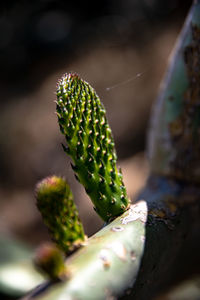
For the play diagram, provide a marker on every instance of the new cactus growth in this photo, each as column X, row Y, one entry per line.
column 56, row 204
column 82, row 119
column 49, row 260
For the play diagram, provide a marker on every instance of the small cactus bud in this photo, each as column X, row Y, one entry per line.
column 82, row 119
column 55, row 202
column 49, row 260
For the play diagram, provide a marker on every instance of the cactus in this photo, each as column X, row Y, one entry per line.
column 49, row 260
column 174, row 143
column 90, row 143
column 108, row 265
column 56, row 204
column 155, row 243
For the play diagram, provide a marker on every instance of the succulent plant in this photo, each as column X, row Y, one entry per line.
column 49, row 260
column 143, row 251
column 56, row 204
column 82, row 119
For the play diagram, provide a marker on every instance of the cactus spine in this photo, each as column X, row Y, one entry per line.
column 56, row 204
column 82, row 120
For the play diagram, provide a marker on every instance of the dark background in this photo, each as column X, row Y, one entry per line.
column 120, row 47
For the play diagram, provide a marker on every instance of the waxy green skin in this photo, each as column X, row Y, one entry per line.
column 107, row 266
column 60, row 215
column 90, row 144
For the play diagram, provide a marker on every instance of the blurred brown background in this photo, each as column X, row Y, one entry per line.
column 120, row 47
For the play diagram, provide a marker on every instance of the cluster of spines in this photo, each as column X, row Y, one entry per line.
column 90, row 144
column 59, row 212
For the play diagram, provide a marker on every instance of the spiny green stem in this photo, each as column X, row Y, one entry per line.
column 82, row 119
column 56, row 204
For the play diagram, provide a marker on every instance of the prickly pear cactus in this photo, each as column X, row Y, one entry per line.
column 90, row 144
column 56, row 204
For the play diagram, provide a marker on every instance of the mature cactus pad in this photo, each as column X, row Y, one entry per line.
column 90, row 144
column 55, row 202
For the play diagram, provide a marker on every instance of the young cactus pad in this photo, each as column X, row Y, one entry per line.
column 82, row 119
column 55, row 202
column 49, row 260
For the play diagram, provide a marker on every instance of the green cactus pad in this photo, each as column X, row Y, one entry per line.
column 82, row 119
column 55, row 202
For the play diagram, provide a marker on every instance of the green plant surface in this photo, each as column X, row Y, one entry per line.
column 174, row 139
column 155, row 244
column 90, row 144
column 108, row 265
column 56, row 204
column 49, row 260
